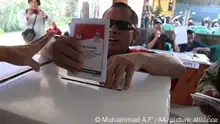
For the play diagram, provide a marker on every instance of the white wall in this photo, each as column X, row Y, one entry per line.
column 104, row 5
column 137, row 6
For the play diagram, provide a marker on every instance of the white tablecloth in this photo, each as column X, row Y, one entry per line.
column 52, row 100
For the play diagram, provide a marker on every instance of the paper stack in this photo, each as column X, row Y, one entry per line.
column 201, row 99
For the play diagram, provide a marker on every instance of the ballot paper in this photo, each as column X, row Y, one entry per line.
column 181, row 35
column 94, row 34
column 201, row 99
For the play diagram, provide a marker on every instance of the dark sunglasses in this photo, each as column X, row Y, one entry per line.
column 122, row 24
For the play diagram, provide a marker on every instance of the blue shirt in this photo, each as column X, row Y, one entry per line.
column 195, row 44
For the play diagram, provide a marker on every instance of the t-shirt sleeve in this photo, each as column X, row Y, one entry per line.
column 200, row 44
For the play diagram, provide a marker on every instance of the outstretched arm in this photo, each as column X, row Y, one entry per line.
column 162, row 64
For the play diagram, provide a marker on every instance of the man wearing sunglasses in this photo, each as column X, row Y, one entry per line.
column 161, row 41
column 67, row 52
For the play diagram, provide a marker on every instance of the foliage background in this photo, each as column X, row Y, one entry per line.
column 61, row 11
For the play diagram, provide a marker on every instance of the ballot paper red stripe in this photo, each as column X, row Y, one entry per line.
column 88, row 31
column 68, row 79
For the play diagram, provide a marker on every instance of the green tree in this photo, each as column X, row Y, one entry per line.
column 9, row 16
column 61, row 12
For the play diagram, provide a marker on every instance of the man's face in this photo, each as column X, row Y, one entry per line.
column 190, row 37
column 157, row 27
column 146, row 3
column 119, row 40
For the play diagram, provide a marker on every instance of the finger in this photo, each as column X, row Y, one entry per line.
column 32, row 63
column 34, row 48
column 44, row 40
column 215, row 93
column 36, row 40
column 70, row 41
column 118, row 76
column 110, row 71
column 72, row 54
column 26, row 61
column 67, row 63
column 212, row 92
column 69, row 68
column 195, row 50
column 129, row 74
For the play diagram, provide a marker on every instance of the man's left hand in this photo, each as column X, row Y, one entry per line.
column 118, row 65
column 196, row 50
column 174, row 38
column 207, row 109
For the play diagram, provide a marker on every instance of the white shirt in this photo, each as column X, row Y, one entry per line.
column 39, row 24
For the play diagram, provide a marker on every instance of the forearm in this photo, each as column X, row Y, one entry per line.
column 176, row 48
column 206, row 50
column 3, row 53
column 162, row 64
column 151, row 44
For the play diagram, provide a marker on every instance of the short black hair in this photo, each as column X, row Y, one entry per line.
column 38, row 2
column 190, row 31
column 157, row 22
column 134, row 17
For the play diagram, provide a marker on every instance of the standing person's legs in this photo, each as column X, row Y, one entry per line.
column 146, row 22
column 143, row 23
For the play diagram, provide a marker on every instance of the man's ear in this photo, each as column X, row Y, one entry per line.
column 136, row 35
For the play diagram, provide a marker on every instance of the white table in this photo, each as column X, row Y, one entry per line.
column 49, row 99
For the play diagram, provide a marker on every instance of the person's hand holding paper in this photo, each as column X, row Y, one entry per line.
column 71, row 52
column 181, row 35
column 207, row 109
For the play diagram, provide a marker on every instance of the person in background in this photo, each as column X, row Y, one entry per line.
column 146, row 14
column 22, row 55
column 193, row 45
column 161, row 41
column 54, row 29
column 29, row 15
column 67, row 52
column 210, row 85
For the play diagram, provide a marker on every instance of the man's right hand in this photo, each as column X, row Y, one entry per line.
column 68, row 53
column 207, row 109
column 157, row 35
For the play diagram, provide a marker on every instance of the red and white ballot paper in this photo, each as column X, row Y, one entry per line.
column 94, row 34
